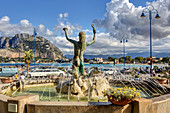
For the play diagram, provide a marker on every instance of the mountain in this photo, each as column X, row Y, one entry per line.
column 15, row 46
column 162, row 54
column 133, row 55
column 94, row 56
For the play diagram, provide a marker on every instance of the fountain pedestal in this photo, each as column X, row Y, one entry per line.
column 92, row 87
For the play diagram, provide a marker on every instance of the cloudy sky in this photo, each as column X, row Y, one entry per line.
column 113, row 19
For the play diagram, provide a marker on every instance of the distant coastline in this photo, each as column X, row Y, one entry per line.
column 55, row 64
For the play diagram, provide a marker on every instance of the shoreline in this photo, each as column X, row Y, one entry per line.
column 21, row 63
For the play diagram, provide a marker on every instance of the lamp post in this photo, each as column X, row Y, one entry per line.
column 123, row 40
column 35, row 34
column 150, row 9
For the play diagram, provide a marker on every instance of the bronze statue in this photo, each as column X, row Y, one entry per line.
column 79, row 48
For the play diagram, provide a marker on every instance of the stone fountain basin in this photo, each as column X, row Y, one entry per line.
column 31, row 104
column 48, row 92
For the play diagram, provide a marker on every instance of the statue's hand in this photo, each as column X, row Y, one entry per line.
column 94, row 30
column 65, row 29
column 92, row 25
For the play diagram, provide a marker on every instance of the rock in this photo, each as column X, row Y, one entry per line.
column 101, row 84
column 15, row 46
column 93, row 92
column 22, row 35
column 76, row 89
column 80, row 82
column 82, row 87
column 65, row 86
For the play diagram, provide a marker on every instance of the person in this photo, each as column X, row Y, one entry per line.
column 114, row 62
column 22, row 78
column 136, row 77
column 67, row 74
column 16, row 76
column 147, row 69
column 79, row 48
column 153, row 71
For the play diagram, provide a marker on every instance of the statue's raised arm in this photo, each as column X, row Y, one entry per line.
column 94, row 36
column 70, row 40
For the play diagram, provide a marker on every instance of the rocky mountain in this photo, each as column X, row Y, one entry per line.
column 15, row 46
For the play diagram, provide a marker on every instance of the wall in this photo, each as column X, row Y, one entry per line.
column 76, row 107
column 155, row 105
column 21, row 101
column 161, row 104
column 31, row 104
column 4, row 103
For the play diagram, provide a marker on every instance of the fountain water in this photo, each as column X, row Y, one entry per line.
column 61, row 86
column 69, row 86
column 146, row 84
column 141, row 84
column 43, row 92
column 49, row 93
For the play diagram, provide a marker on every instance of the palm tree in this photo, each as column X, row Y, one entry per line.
column 27, row 58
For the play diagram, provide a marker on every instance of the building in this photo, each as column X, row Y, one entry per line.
column 99, row 60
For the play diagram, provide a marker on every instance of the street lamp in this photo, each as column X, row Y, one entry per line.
column 35, row 34
column 150, row 9
column 123, row 40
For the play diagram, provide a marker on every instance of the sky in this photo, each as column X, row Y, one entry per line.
column 113, row 19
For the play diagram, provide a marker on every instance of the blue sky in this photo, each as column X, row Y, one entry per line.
column 112, row 18
column 46, row 12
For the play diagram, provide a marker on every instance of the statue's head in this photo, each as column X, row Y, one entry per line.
column 82, row 37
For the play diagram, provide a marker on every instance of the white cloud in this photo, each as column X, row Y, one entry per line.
column 24, row 23
column 41, row 28
column 65, row 15
column 63, row 23
column 50, row 33
column 107, row 45
column 4, row 19
column 60, row 15
column 8, row 29
column 123, row 18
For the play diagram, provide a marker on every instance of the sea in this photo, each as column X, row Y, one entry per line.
column 86, row 65
column 12, row 70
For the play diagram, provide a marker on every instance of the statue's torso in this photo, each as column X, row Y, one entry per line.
column 79, row 49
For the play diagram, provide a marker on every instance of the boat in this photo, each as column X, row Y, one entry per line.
column 45, row 73
column 109, row 71
column 4, row 72
column 6, row 80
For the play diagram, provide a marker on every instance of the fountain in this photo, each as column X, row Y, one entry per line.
column 84, row 86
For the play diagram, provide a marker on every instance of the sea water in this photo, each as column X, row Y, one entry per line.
column 86, row 65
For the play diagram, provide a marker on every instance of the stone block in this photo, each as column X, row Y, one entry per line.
column 76, row 107
column 21, row 101
column 142, row 106
column 161, row 104
column 3, row 103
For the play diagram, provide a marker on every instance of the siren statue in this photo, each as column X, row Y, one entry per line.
column 79, row 48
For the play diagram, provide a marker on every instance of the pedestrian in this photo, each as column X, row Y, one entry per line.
column 67, row 74
column 16, row 75
column 22, row 78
